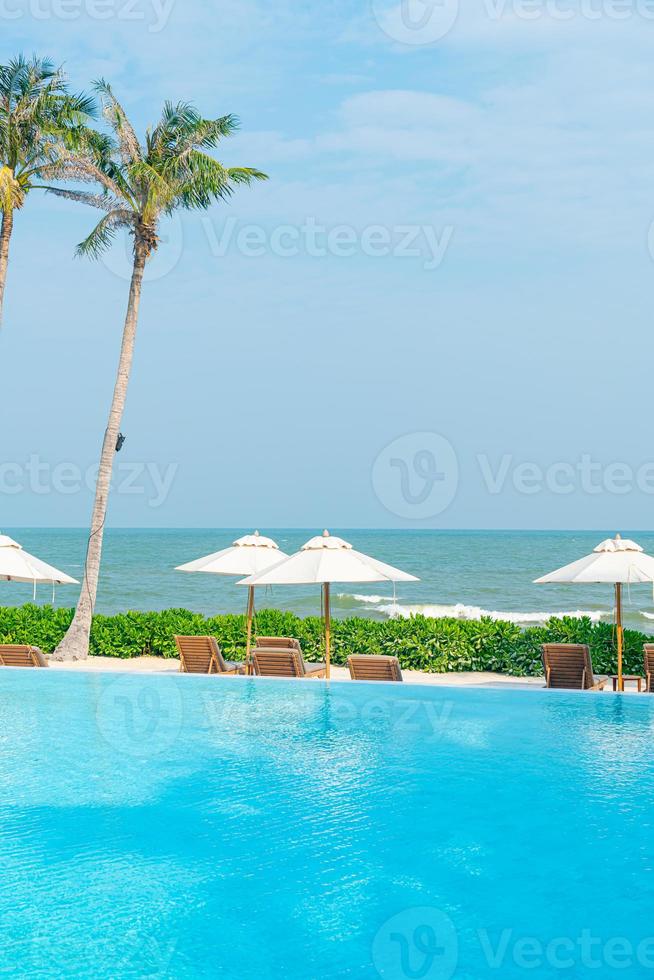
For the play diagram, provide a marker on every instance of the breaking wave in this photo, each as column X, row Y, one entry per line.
column 386, row 606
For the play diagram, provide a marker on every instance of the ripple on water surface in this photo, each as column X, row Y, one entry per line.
column 189, row 827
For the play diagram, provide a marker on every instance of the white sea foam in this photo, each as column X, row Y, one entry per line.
column 646, row 614
column 385, row 605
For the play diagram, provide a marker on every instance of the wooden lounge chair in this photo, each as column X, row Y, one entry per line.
column 648, row 650
column 569, row 666
column 284, row 661
column 202, row 655
column 370, row 668
column 278, row 643
column 13, row 655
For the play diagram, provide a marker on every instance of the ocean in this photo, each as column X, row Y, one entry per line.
column 462, row 573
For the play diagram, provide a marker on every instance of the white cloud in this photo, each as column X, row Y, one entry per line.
column 564, row 158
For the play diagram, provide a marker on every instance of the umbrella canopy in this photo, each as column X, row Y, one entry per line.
column 322, row 561
column 16, row 565
column 616, row 561
column 248, row 555
column 327, row 559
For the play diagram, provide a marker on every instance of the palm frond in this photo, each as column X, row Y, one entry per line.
column 183, row 129
column 203, row 180
column 129, row 146
column 104, row 233
column 36, row 114
column 175, row 119
column 104, row 202
column 246, row 175
column 81, row 166
column 155, row 183
column 140, row 183
column 14, row 74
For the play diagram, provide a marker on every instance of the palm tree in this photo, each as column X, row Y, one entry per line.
column 37, row 113
column 138, row 184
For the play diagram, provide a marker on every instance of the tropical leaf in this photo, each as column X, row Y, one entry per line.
column 105, row 202
column 104, row 233
column 37, row 114
column 113, row 112
column 170, row 170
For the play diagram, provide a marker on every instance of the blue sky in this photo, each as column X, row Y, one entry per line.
column 437, row 312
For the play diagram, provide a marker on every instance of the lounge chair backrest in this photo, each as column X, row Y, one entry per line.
column 568, row 665
column 275, row 662
column 13, row 655
column 200, row 655
column 278, row 643
column 648, row 650
column 370, row 668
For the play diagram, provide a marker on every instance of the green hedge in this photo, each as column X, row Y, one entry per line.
column 435, row 645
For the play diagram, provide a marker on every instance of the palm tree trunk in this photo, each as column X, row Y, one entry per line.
column 5, row 234
column 75, row 644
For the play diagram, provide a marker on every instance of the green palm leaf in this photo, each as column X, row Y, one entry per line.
column 171, row 169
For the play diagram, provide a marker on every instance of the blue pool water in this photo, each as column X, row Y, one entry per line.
column 205, row 827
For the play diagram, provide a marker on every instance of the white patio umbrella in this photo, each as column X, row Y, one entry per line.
column 322, row 561
column 248, row 555
column 16, row 565
column 617, row 562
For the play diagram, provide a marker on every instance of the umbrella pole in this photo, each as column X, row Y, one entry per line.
column 248, row 644
column 618, row 619
column 328, row 628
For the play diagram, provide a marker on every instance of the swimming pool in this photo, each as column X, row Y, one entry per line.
column 207, row 827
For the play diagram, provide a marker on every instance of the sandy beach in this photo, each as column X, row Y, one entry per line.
column 159, row 665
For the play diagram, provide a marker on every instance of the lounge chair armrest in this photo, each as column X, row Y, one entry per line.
column 40, row 656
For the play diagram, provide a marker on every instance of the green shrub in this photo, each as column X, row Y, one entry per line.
column 435, row 645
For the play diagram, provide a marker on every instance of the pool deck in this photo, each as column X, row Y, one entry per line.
column 158, row 665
